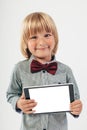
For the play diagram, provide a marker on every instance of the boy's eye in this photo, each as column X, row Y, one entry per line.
column 47, row 35
column 33, row 37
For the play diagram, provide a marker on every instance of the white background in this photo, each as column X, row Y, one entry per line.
column 71, row 20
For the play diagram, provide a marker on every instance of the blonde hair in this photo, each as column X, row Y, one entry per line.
column 34, row 23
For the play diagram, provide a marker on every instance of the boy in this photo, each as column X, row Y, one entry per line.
column 39, row 44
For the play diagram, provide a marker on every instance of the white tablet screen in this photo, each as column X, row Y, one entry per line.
column 51, row 99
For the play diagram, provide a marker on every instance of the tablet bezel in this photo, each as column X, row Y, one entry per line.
column 71, row 93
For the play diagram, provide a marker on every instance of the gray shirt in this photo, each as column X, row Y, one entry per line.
column 22, row 77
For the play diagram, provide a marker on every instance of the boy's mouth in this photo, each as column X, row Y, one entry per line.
column 42, row 47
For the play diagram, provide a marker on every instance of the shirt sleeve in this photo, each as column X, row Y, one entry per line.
column 14, row 90
column 71, row 79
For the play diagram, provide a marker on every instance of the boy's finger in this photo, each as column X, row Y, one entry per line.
column 22, row 96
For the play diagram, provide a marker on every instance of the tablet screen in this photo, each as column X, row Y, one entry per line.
column 51, row 98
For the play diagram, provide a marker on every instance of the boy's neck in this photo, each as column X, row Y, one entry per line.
column 43, row 60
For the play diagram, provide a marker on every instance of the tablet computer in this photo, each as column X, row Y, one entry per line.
column 51, row 98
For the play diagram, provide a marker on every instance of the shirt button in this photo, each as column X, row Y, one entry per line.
column 43, row 72
column 59, row 82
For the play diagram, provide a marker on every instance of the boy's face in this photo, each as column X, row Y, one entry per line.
column 41, row 45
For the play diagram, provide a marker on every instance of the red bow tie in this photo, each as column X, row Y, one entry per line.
column 37, row 66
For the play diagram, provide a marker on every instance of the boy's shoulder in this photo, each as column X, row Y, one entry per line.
column 62, row 64
column 21, row 64
column 63, row 67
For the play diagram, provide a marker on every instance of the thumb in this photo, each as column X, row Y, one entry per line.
column 22, row 96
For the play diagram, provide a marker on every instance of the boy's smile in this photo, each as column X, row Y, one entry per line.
column 41, row 45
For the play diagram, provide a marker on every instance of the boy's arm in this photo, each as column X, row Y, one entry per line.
column 76, row 105
column 15, row 89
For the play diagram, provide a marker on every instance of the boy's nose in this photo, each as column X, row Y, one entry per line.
column 41, row 41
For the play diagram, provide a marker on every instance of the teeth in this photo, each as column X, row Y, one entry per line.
column 43, row 46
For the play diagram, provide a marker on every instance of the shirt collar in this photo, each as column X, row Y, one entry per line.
column 53, row 59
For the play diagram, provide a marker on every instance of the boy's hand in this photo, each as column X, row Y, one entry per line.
column 26, row 105
column 76, row 107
